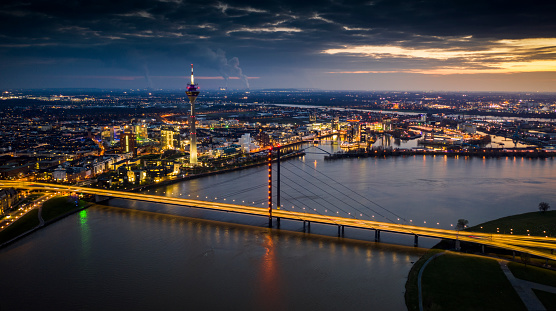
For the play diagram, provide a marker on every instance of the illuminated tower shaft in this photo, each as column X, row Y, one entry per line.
column 192, row 92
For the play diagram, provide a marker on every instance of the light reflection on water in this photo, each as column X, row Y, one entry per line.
column 143, row 261
column 425, row 189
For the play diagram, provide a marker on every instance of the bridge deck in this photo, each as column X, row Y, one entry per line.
column 537, row 246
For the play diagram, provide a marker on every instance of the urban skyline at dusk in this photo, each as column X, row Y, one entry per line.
column 354, row 45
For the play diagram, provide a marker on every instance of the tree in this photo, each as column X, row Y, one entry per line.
column 462, row 223
column 543, row 207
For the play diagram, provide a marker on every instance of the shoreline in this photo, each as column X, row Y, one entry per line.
column 222, row 171
column 482, row 153
column 413, row 295
column 45, row 224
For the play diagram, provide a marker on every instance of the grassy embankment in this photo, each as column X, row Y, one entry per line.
column 20, row 226
column 52, row 208
column 411, row 289
column 459, row 282
column 538, row 224
column 537, row 275
column 58, row 206
column 462, row 282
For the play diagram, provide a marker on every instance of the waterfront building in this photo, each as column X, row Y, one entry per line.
column 247, row 144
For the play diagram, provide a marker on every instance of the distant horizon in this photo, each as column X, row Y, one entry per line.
column 52, row 89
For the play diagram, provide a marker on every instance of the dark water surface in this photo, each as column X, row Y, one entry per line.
column 108, row 258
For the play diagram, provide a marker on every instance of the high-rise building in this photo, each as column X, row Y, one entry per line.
column 192, row 93
column 128, row 142
column 169, row 138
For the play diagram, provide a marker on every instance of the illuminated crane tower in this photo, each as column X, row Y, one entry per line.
column 192, row 92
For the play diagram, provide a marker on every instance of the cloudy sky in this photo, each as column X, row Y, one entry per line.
column 457, row 45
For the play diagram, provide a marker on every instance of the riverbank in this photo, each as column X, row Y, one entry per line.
column 449, row 280
column 482, row 153
column 455, row 281
column 210, row 173
column 52, row 210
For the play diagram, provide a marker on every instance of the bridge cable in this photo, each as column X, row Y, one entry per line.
column 229, row 180
column 333, row 196
column 228, row 195
column 350, row 190
column 367, row 225
column 333, row 207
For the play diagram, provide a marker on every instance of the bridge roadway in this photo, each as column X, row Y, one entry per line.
column 534, row 245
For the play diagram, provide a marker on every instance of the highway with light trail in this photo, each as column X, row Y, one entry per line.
column 533, row 245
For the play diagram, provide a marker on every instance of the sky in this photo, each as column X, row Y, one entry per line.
column 425, row 45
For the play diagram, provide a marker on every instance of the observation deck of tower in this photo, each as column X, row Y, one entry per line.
column 192, row 93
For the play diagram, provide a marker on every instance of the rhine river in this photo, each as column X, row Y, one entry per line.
column 127, row 257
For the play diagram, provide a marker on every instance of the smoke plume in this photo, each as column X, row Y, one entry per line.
column 147, row 76
column 227, row 67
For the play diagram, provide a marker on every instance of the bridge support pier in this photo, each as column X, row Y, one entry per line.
column 377, row 235
column 416, row 241
column 278, row 222
column 308, row 226
column 343, row 230
column 482, row 248
column 458, row 245
column 101, row 199
column 339, row 230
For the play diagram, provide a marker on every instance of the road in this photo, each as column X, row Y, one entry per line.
column 537, row 246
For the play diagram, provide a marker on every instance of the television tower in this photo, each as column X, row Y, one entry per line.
column 192, row 92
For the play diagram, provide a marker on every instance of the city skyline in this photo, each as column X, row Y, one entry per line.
column 357, row 45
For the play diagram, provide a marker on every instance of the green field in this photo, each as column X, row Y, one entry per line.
column 533, row 274
column 547, row 299
column 461, row 282
column 411, row 290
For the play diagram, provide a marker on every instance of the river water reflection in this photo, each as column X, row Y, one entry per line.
column 114, row 258
column 424, row 190
column 108, row 258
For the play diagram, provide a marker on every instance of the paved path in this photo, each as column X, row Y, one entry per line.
column 525, row 289
column 419, row 288
column 41, row 220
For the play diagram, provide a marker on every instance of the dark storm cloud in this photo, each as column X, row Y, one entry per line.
column 300, row 22
column 139, row 35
